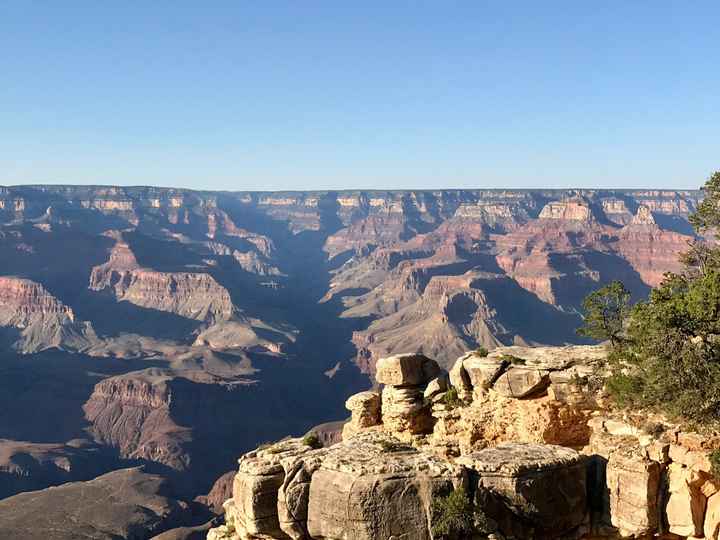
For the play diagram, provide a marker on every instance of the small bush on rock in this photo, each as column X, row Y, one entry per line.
column 393, row 446
column 451, row 399
column 514, row 360
column 715, row 463
column 312, row 440
column 455, row 516
column 481, row 351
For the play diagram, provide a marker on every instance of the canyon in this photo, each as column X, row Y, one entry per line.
column 168, row 331
column 525, row 435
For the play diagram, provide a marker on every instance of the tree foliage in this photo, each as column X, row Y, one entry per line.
column 455, row 516
column 707, row 216
column 669, row 354
column 604, row 312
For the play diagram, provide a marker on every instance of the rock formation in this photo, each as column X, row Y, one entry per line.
column 39, row 320
column 131, row 315
column 127, row 503
column 526, row 432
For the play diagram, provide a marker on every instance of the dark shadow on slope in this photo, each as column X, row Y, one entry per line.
column 111, row 318
column 676, row 224
column 163, row 255
column 60, row 261
column 612, row 267
column 524, row 314
column 41, row 395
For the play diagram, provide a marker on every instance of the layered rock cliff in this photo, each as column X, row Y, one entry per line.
column 526, row 433
column 132, row 315
column 35, row 320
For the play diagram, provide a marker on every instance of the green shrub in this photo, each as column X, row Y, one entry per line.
column 454, row 515
column 654, row 428
column 666, row 351
column 604, row 313
column 393, row 446
column 312, row 440
column 451, row 399
column 715, row 463
column 481, row 351
column 514, row 360
column 623, row 388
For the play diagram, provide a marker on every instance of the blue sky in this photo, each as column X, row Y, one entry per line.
column 332, row 94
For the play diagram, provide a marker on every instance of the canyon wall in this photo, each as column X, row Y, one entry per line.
column 526, row 434
column 131, row 315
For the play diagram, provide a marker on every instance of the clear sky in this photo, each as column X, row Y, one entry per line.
column 336, row 94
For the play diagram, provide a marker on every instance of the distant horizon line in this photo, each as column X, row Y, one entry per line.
column 347, row 190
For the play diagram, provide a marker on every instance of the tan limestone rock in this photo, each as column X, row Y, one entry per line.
column 435, row 387
column 365, row 492
column 255, row 489
column 460, row 380
column 553, row 358
column 520, row 382
column 711, row 526
column 498, row 418
column 406, row 370
column 484, row 371
column 531, row 490
column 294, row 494
column 698, row 460
column 633, row 483
column 365, row 412
column 685, row 509
column 404, row 411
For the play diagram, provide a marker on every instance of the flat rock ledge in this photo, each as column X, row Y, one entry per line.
column 371, row 486
column 526, row 432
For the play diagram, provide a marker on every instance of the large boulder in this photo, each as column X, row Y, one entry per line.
column 685, row 509
column 436, row 387
column 633, row 483
column 364, row 408
column 522, row 382
column 372, row 487
column 460, row 379
column 405, row 411
column 410, row 369
column 531, row 490
column 553, row 358
column 482, row 370
column 253, row 508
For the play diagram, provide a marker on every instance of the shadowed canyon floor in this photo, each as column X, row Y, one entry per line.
column 174, row 329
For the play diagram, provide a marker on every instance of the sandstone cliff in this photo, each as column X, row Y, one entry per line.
column 38, row 320
column 134, row 314
column 527, row 433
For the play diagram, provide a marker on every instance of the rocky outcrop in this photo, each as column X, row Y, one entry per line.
column 361, row 488
column 365, row 412
column 371, row 486
column 573, row 209
column 551, row 502
column 525, row 432
column 132, row 414
column 187, row 294
column 38, row 319
column 404, row 409
column 127, row 503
